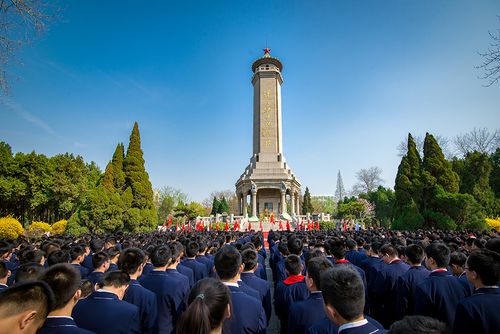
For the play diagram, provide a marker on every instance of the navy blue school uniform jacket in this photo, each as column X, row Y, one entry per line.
column 249, row 290
column 188, row 272
column 247, row 314
column 371, row 265
column 355, row 257
column 3, row 287
column 145, row 300
column 365, row 328
column 303, row 314
column 261, row 271
column 438, row 296
column 205, row 261
column 405, row 288
column 61, row 325
column 199, row 269
column 87, row 263
column 325, row 326
column 290, row 290
column 263, row 288
column 95, row 277
column 84, row 272
column 171, row 296
column 102, row 312
column 478, row 313
column 112, row 267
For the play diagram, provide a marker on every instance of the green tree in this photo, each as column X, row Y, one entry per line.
column 223, row 206
column 215, row 206
column 306, row 204
column 495, row 172
column 114, row 177
column 383, row 199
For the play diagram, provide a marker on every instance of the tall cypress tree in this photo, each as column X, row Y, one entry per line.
column 436, row 169
column 142, row 215
column 307, row 205
column 215, row 206
column 114, row 177
column 223, row 207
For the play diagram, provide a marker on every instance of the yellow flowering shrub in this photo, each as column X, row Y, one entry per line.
column 10, row 228
column 41, row 226
column 494, row 223
column 59, row 227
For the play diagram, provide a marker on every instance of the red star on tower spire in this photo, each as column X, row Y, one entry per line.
column 266, row 51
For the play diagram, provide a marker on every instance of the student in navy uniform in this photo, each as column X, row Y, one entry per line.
column 457, row 266
column 438, row 295
column 202, row 257
column 7, row 256
column 64, row 280
column 104, row 311
column 408, row 281
column 372, row 263
column 96, row 245
column 418, row 324
column 132, row 261
column 179, row 251
column 77, row 254
column 479, row 312
column 28, row 272
column 24, row 307
column 344, row 298
column 209, row 306
column 352, row 254
column 100, row 261
column 290, row 290
column 171, row 298
column 304, row 314
column 199, row 269
column 250, row 262
column 247, row 313
column 295, row 246
column 4, row 276
column 383, row 290
column 113, row 253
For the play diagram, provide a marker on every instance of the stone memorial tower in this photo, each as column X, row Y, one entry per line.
column 268, row 182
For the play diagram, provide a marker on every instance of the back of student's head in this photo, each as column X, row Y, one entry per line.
column 440, row 253
column 58, row 256
column 161, row 256
column 28, row 272
column 293, row 264
column 31, row 301
column 87, row 287
column 96, row 245
column 342, row 289
column 64, row 280
column 283, row 248
column 337, row 249
column 486, row 264
column 113, row 251
column 192, row 249
column 99, row 258
column 389, row 250
column 250, row 259
column 76, row 251
column 458, row 259
column 227, row 262
column 32, row 256
column 493, row 244
column 414, row 254
column 351, row 244
column 131, row 259
column 418, row 324
column 116, row 279
column 4, row 271
column 208, row 305
column 315, row 267
column 295, row 245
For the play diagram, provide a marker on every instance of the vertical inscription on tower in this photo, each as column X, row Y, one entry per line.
column 268, row 133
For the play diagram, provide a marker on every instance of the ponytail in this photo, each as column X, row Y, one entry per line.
column 196, row 318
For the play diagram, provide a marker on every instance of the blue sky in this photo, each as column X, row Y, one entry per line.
column 359, row 75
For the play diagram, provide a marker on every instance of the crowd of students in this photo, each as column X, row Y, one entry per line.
column 216, row 282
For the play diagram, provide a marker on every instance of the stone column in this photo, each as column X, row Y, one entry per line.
column 283, row 201
column 240, row 204
column 244, row 205
column 298, row 203
column 292, row 204
column 254, row 203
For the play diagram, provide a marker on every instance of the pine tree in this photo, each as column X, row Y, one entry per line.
column 307, row 205
column 142, row 215
column 215, row 206
column 340, row 191
column 223, row 207
column 114, row 177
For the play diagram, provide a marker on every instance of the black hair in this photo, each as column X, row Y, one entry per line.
column 293, row 264
column 99, row 258
column 486, row 264
column 351, row 244
column 31, row 255
column 58, row 256
column 29, row 272
column 375, row 246
column 96, row 245
column 493, row 244
column 161, row 256
column 418, row 324
column 388, row 249
column 283, row 248
column 440, row 253
column 3, row 270
column 337, row 249
column 64, row 280
column 35, row 296
column 131, row 259
column 76, row 251
column 342, row 288
column 113, row 251
column 295, row 245
column 208, row 301
column 250, row 259
column 115, row 278
column 458, row 258
column 315, row 266
column 414, row 254
column 87, row 288
column 192, row 249
column 227, row 262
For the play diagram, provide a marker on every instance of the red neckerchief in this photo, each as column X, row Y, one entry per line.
column 440, row 270
column 342, row 261
column 396, row 260
column 292, row 279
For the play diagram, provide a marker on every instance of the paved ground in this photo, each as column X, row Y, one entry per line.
column 274, row 324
